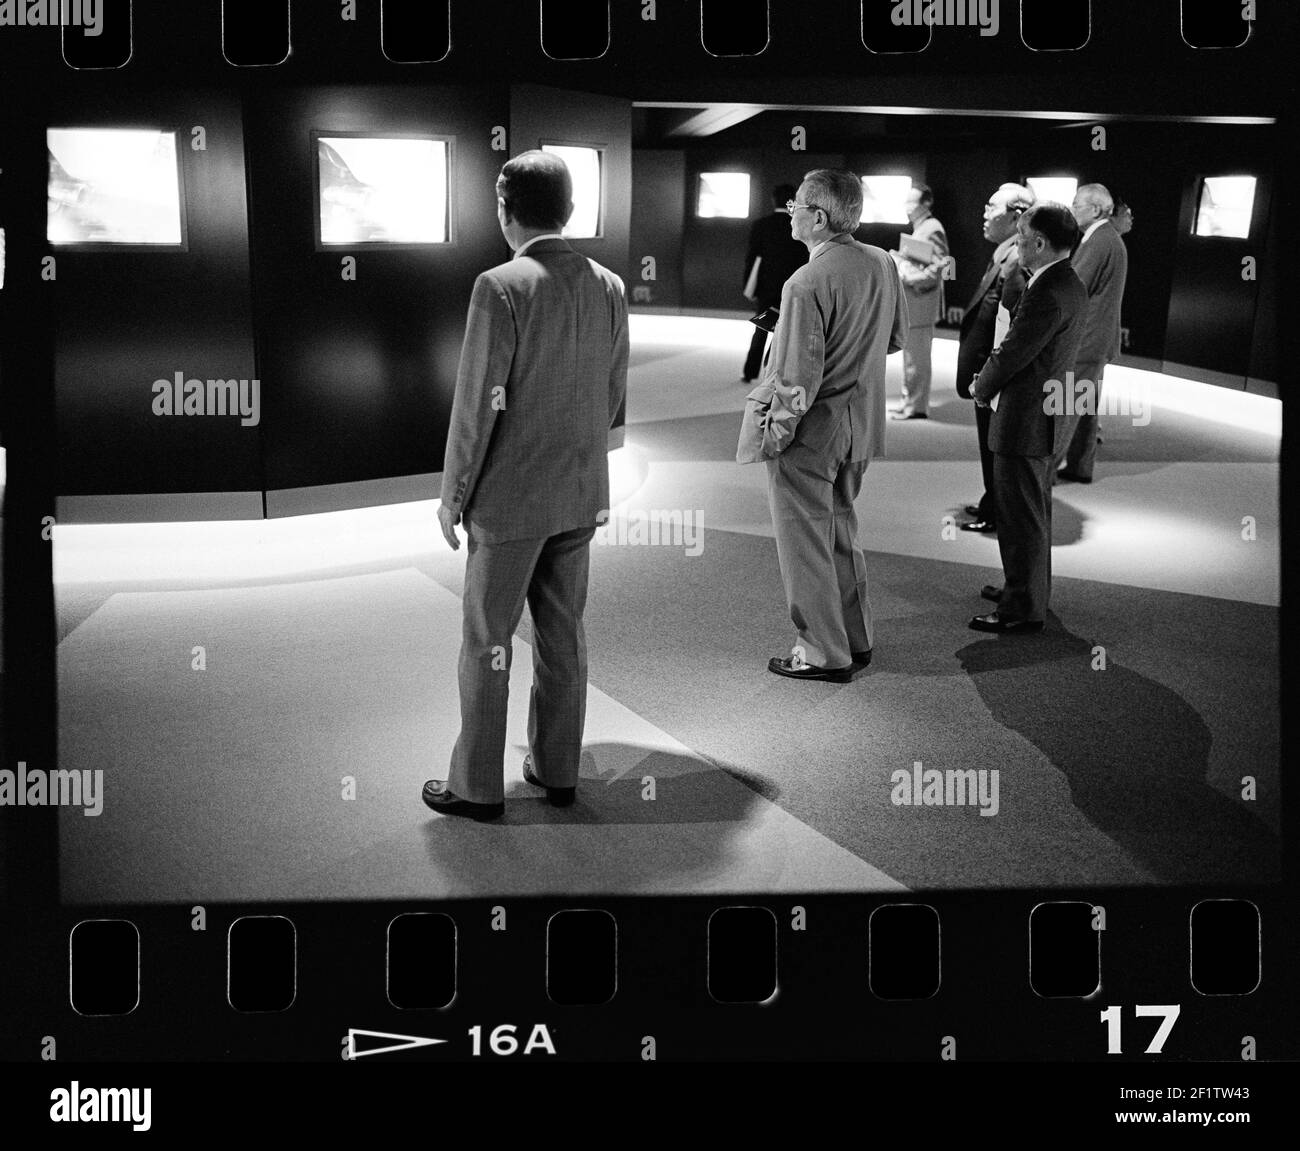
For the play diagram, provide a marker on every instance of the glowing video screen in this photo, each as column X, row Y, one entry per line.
column 382, row 190
column 584, row 168
column 1053, row 189
column 113, row 186
column 723, row 195
column 1226, row 206
column 884, row 199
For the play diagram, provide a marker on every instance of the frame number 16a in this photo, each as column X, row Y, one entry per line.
column 1111, row 1017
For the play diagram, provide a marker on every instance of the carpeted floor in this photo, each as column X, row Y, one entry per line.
column 1123, row 738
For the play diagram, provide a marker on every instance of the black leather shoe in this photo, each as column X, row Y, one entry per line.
column 1072, row 477
column 906, row 416
column 988, row 527
column 995, row 623
column 973, row 510
column 436, row 796
column 556, row 796
column 784, row 665
column 861, row 658
column 991, row 591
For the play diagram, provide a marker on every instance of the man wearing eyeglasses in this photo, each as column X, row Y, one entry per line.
column 818, row 417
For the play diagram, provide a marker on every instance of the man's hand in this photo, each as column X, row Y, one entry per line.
column 447, row 520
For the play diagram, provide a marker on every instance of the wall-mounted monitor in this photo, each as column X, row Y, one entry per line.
column 585, row 167
column 724, row 195
column 376, row 188
column 884, row 199
column 119, row 186
column 1225, row 206
column 1053, row 189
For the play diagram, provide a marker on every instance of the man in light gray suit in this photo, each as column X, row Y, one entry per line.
column 1101, row 262
column 923, row 284
column 818, row 417
column 543, row 374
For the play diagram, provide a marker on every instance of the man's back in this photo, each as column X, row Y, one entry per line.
column 1101, row 262
column 545, row 350
column 848, row 302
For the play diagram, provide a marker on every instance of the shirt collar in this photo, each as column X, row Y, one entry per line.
column 838, row 238
column 524, row 247
column 1094, row 226
column 1034, row 275
column 1003, row 254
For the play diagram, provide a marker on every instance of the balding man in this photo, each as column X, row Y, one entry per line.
column 1101, row 262
column 979, row 328
column 818, row 417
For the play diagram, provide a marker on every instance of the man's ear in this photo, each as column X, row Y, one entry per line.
column 568, row 212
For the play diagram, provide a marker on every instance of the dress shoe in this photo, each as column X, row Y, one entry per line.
column 985, row 526
column 861, row 658
column 995, row 623
column 436, row 796
column 991, row 591
column 556, row 796
column 973, row 510
column 1072, row 477
column 901, row 415
column 784, row 665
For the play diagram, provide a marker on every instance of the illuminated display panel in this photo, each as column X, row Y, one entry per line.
column 723, row 194
column 1053, row 189
column 114, row 186
column 884, row 199
column 381, row 189
column 584, row 166
column 1226, row 206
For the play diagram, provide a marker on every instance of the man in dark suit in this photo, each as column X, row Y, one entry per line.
column 979, row 328
column 778, row 255
column 1017, row 383
column 818, row 418
column 1101, row 262
column 543, row 373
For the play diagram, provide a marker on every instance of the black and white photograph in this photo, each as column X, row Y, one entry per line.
column 719, row 506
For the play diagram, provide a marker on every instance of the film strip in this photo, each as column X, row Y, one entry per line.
column 793, row 879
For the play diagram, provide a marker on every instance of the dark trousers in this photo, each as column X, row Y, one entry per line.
column 1080, row 453
column 988, row 505
column 971, row 355
column 754, row 361
column 1024, row 503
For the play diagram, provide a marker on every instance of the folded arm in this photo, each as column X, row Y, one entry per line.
column 1034, row 325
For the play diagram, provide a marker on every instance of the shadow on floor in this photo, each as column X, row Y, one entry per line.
column 1134, row 752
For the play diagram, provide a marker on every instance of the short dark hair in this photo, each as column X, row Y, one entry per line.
column 1055, row 223
column 927, row 195
column 783, row 194
column 537, row 190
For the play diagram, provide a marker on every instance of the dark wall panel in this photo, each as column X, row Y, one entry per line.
column 358, row 377
column 1211, row 308
column 658, row 218
column 128, row 318
column 541, row 115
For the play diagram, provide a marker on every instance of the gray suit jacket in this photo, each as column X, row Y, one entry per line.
column 1041, row 345
column 924, row 286
column 1101, row 262
column 543, row 374
column 821, row 401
